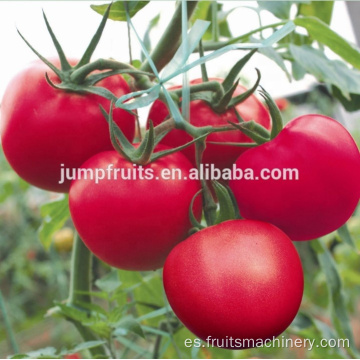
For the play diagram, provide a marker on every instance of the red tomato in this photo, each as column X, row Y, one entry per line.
column 133, row 224
column 282, row 104
column 241, row 279
column 42, row 128
column 328, row 187
column 201, row 114
column 72, row 356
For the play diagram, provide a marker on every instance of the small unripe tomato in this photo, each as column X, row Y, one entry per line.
column 63, row 240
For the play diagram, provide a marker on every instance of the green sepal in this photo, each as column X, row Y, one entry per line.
column 228, row 209
column 234, row 72
column 160, row 154
column 146, row 148
column 65, row 66
column 235, row 204
column 276, row 118
column 242, row 97
column 95, row 78
column 223, row 104
column 206, row 96
column 43, row 59
column 194, row 222
column 253, row 130
column 115, row 134
column 245, row 145
column 94, row 41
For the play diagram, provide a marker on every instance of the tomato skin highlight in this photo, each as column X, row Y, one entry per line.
column 133, row 224
column 201, row 114
column 328, row 189
column 42, row 127
column 241, row 279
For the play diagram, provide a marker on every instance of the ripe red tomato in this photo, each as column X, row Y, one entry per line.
column 241, row 279
column 42, row 128
column 201, row 114
column 328, row 187
column 133, row 224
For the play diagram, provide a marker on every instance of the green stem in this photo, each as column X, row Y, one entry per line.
column 215, row 45
column 170, row 41
column 214, row 86
column 79, row 75
column 8, row 328
column 204, row 74
column 80, row 287
column 214, row 21
column 208, row 200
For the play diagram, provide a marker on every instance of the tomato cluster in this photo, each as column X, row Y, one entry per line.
column 241, row 278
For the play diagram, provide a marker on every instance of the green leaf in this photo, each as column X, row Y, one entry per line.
column 320, row 9
column 281, row 9
column 101, row 328
column 298, row 72
column 204, row 12
column 350, row 103
column 69, row 311
column 345, row 236
column 273, row 55
column 55, row 214
column 321, row 32
column 332, row 72
column 127, row 324
column 118, row 12
column 109, row 283
column 339, row 315
column 85, row 346
column 45, row 353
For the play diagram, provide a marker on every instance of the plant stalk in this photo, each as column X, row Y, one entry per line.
column 80, row 287
column 170, row 41
column 8, row 328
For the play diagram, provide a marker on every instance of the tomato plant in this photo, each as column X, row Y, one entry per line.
column 241, row 279
column 135, row 222
column 327, row 189
column 43, row 128
column 234, row 283
column 201, row 114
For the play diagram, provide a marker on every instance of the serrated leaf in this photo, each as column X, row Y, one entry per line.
column 73, row 313
column 55, row 214
column 321, row 32
column 332, row 72
column 101, row 328
column 118, row 12
column 109, row 283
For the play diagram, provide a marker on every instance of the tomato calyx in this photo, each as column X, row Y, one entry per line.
column 256, row 132
column 219, row 96
column 142, row 153
column 81, row 77
column 227, row 207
